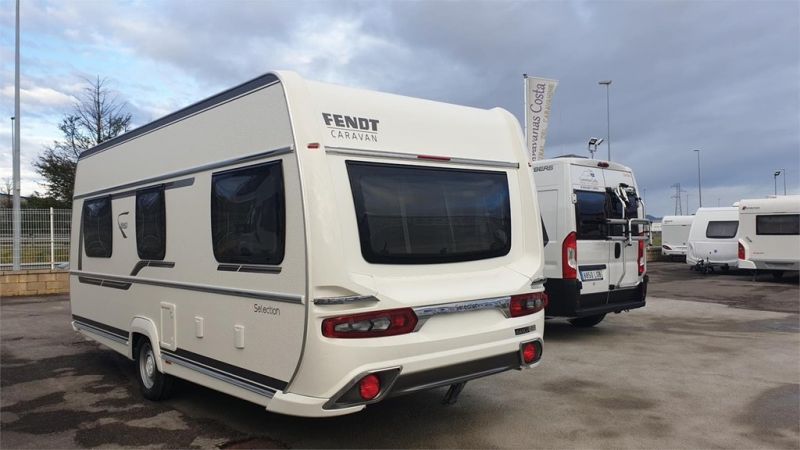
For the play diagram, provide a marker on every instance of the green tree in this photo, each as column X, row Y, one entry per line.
column 97, row 116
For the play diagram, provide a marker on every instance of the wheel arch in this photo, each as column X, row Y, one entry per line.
column 142, row 327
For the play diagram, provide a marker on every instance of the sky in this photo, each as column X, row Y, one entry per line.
column 719, row 76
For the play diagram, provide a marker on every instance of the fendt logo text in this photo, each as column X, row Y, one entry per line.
column 351, row 128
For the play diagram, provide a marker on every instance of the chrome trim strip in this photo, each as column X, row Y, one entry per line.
column 426, row 312
column 99, row 332
column 259, row 295
column 346, row 151
column 189, row 171
column 218, row 374
column 346, row 300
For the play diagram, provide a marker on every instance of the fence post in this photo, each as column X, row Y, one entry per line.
column 52, row 242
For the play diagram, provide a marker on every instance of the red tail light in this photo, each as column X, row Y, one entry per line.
column 742, row 255
column 529, row 353
column 390, row 322
column 641, row 258
column 524, row 304
column 569, row 257
column 369, row 387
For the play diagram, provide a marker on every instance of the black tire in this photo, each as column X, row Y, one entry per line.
column 778, row 274
column 588, row 321
column 153, row 384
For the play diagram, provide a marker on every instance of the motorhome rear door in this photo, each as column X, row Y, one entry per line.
column 588, row 187
column 623, row 254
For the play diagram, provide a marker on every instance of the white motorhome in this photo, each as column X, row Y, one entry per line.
column 769, row 234
column 675, row 235
column 311, row 248
column 596, row 234
column 713, row 238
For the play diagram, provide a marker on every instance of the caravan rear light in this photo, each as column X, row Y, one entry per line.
column 522, row 305
column 369, row 387
column 742, row 255
column 641, row 258
column 390, row 322
column 569, row 257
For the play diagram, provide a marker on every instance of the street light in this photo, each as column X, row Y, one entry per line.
column 699, row 188
column 593, row 143
column 777, row 172
column 608, row 115
column 775, row 179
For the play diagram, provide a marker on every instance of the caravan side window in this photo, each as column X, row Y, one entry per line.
column 97, row 227
column 248, row 215
column 590, row 215
column 722, row 229
column 151, row 223
column 784, row 224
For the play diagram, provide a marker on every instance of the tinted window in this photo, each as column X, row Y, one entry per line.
column 248, row 215
column 424, row 215
column 722, row 229
column 785, row 224
column 97, row 228
column 590, row 215
column 151, row 223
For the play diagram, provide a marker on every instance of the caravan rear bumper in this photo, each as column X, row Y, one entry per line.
column 566, row 299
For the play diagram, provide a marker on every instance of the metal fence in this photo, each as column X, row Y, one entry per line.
column 45, row 238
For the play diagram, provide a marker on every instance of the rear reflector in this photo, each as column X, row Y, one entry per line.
column 369, row 387
column 742, row 254
column 433, row 158
column 525, row 304
column 390, row 322
column 530, row 352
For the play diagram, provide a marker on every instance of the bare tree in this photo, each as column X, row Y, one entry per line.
column 97, row 116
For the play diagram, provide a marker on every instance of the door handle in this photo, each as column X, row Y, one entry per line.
column 617, row 249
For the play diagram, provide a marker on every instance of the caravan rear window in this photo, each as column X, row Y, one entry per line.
column 248, row 215
column 784, row 224
column 722, row 229
column 427, row 215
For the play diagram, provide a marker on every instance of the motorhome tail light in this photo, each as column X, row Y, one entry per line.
column 524, row 304
column 433, row 158
column 531, row 352
column 390, row 322
column 742, row 255
column 569, row 257
column 602, row 164
column 369, row 387
column 640, row 258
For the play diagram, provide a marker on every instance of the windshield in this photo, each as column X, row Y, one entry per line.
column 427, row 215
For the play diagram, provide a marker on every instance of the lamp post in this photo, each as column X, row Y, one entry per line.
column 778, row 172
column 775, row 180
column 699, row 186
column 16, row 214
column 593, row 143
column 607, row 83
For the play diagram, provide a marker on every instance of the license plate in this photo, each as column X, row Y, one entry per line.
column 591, row 275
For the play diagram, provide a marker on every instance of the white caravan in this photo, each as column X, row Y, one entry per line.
column 712, row 239
column 675, row 234
column 769, row 234
column 595, row 238
column 311, row 248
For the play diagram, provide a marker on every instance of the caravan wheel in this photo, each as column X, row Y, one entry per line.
column 153, row 384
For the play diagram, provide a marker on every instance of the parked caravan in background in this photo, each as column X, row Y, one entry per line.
column 769, row 234
column 713, row 239
column 596, row 236
column 675, row 235
column 311, row 248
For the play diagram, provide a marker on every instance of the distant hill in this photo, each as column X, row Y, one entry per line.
column 653, row 218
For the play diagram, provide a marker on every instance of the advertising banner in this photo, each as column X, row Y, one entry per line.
column 538, row 98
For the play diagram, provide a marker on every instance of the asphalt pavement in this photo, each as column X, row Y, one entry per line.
column 711, row 361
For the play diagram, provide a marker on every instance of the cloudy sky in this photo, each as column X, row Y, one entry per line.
column 718, row 76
